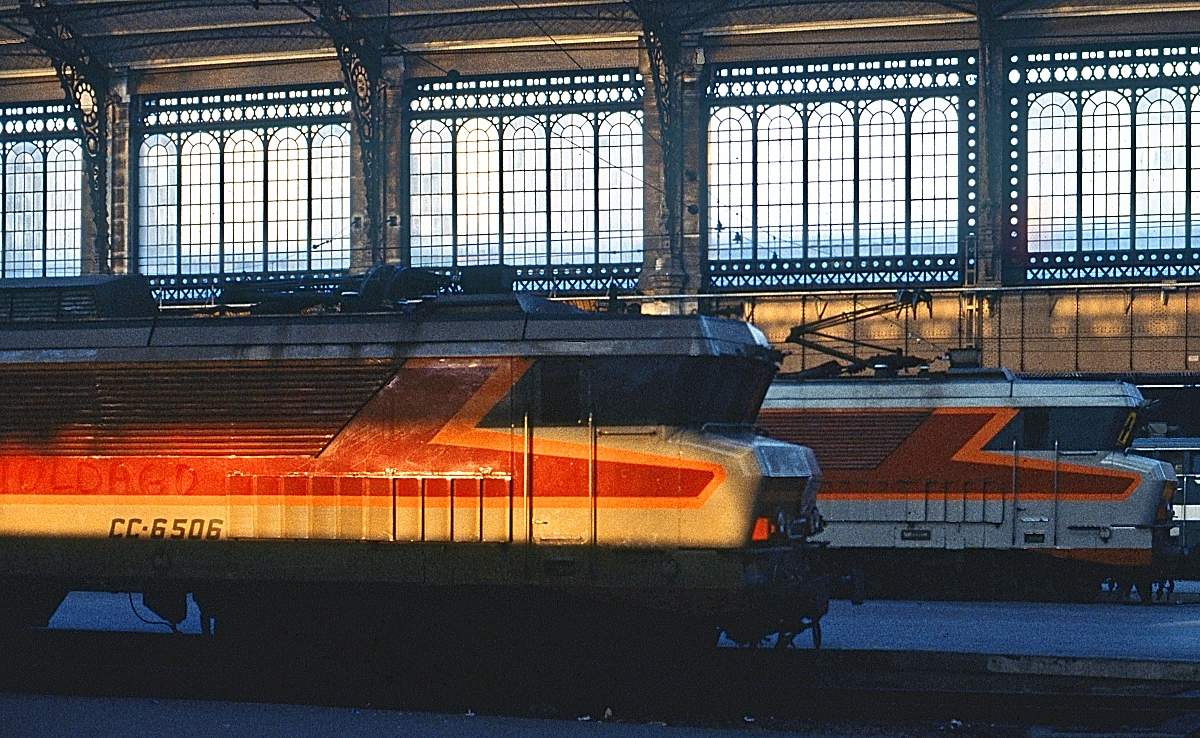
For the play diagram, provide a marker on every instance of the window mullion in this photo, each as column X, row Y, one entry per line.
column 222, row 141
column 908, row 192
column 266, row 213
column 308, row 233
column 500, row 189
column 45, row 201
column 454, row 128
column 596, row 190
column 178, row 205
column 1079, row 105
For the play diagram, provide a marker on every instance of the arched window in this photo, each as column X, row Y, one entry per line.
column 1160, row 172
column 24, row 209
column 524, row 180
column 862, row 172
column 1107, row 172
column 620, row 188
column 242, row 182
column 830, row 182
column 200, row 204
column 935, row 177
column 478, row 173
column 287, row 200
column 330, row 198
column 542, row 171
column 730, row 184
column 1053, row 174
column 431, row 193
column 244, row 208
column 572, row 190
column 64, row 185
column 780, row 184
column 158, row 201
column 882, row 191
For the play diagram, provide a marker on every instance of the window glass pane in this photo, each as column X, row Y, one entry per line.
column 935, row 177
column 244, row 191
column 572, row 190
column 287, row 201
column 200, row 203
column 882, row 180
column 524, row 176
column 730, row 184
column 331, row 198
column 830, row 183
column 1107, row 171
column 1053, row 174
column 1160, row 179
column 431, row 194
column 158, row 199
column 24, row 210
column 478, row 173
column 780, row 183
column 64, row 187
column 620, row 188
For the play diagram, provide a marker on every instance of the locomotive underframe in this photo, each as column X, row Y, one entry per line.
column 267, row 583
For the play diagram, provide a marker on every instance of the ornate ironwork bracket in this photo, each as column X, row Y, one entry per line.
column 362, row 66
column 85, row 81
column 664, row 47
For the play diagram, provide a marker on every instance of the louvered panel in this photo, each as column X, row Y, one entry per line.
column 280, row 408
column 844, row 440
column 34, row 305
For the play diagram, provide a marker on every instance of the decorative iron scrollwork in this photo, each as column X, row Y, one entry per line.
column 362, row 67
column 85, row 81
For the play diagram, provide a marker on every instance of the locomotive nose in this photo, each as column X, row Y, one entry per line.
column 787, row 502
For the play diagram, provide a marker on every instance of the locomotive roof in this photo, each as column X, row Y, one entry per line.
column 971, row 389
column 456, row 327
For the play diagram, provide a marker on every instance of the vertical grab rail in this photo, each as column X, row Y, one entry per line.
column 527, row 480
column 1014, row 495
column 592, row 474
column 1055, row 493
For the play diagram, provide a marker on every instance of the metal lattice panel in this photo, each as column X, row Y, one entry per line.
column 841, row 172
column 41, row 189
column 206, row 288
column 1104, row 165
column 242, row 182
column 537, row 171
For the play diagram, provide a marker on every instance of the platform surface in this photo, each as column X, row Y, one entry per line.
column 1159, row 632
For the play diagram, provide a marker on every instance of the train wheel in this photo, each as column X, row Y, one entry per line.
column 816, row 634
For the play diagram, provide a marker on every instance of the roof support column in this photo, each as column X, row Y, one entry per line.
column 992, row 135
column 85, row 81
column 120, row 197
column 672, row 244
column 395, row 246
column 362, row 67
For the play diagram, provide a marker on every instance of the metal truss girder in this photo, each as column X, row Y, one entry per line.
column 85, row 81
column 608, row 15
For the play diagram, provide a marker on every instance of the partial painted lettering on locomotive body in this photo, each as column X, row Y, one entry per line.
column 192, row 529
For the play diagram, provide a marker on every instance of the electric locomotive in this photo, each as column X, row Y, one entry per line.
column 978, row 484
column 503, row 453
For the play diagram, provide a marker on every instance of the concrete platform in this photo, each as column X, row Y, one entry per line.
column 1160, row 632
column 1107, row 631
